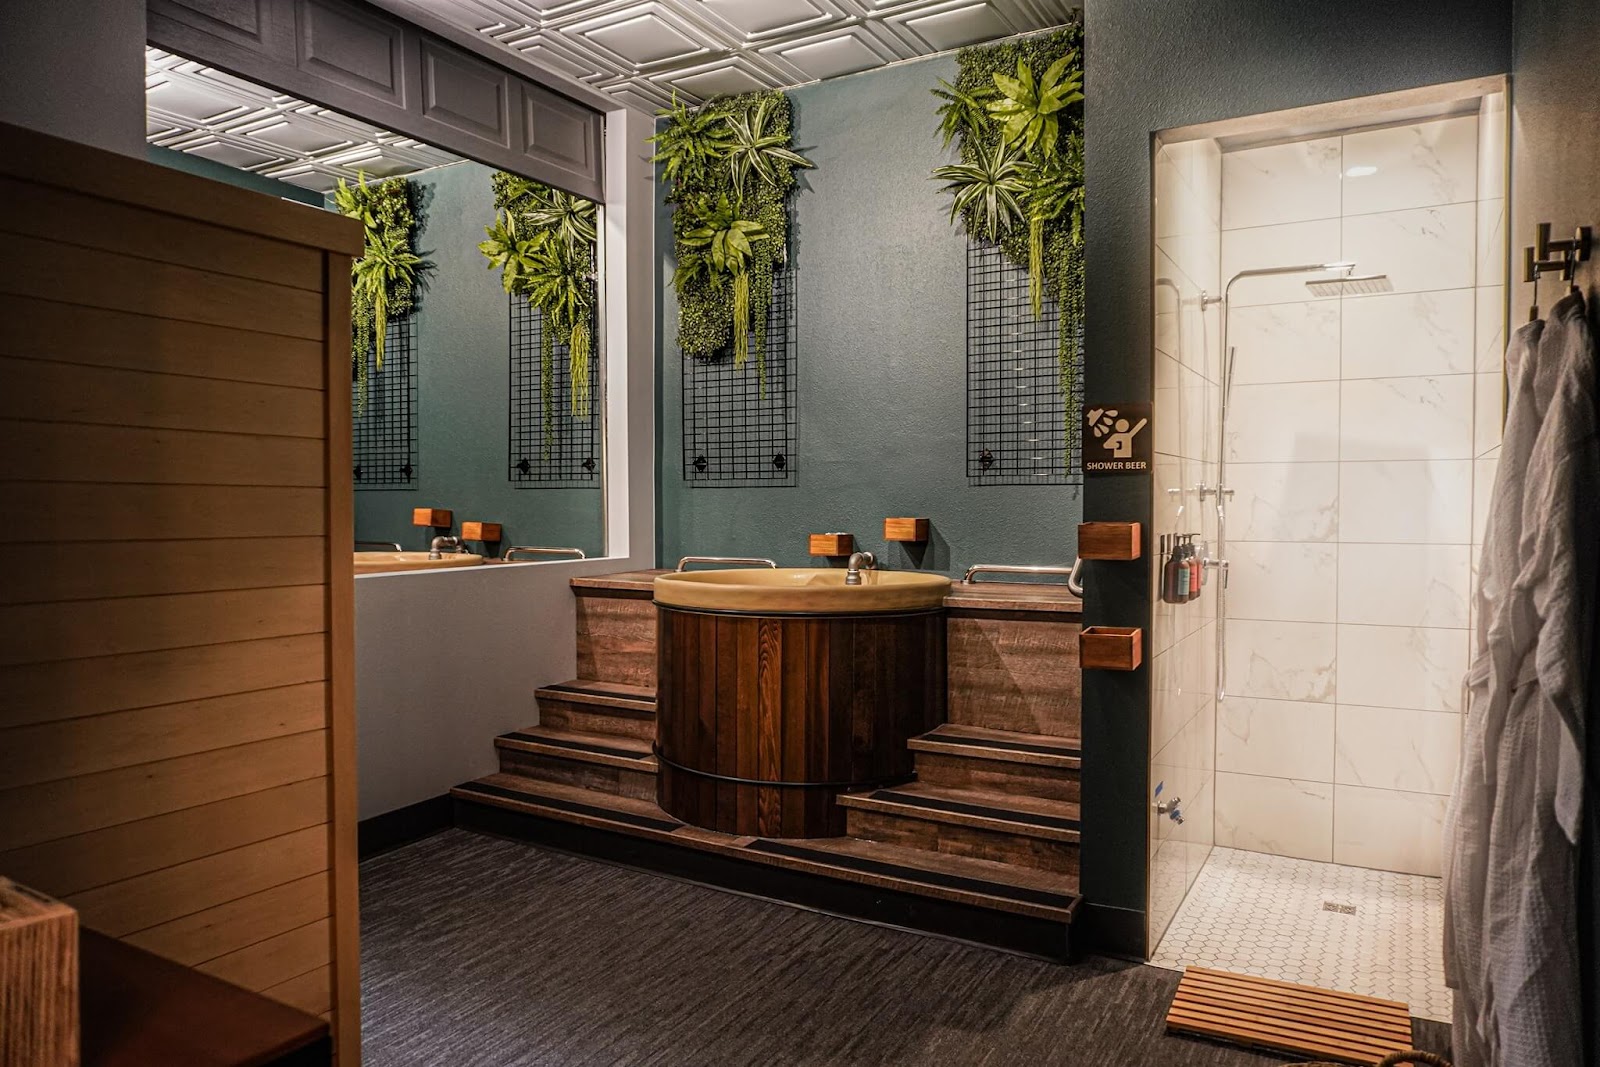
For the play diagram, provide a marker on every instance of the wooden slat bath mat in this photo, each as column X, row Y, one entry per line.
column 1285, row 1017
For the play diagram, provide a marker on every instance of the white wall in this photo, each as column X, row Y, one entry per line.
column 1357, row 426
column 446, row 660
column 1188, row 194
column 75, row 69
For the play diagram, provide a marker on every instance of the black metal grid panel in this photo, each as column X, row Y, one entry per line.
column 384, row 436
column 569, row 454
column 1019, row 430
column 732, row 435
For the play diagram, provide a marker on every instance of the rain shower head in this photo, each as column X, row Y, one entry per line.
column 1350, row 285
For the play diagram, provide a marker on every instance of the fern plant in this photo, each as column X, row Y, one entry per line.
column 1019, row 179
column 385, row 279
column 729, row 166
column 543, row 243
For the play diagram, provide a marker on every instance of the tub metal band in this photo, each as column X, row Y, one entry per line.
column 866, row 783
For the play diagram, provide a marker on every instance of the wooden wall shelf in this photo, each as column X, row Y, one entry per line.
column 1109, row 540
column 480, row 531
column 1110, row 648
column 832, row 544
column 912, row 530
column 442, row 518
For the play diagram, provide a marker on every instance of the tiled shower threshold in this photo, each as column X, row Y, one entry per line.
column 1347, row 928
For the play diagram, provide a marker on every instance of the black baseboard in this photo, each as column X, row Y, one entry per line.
column 381, row 833
column 1017, row 933
column 1111, row 931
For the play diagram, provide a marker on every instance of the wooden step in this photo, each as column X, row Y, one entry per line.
column 612, row 763
column 999, row 761
column 981, row 883
column 596, row 707
column 964, row 822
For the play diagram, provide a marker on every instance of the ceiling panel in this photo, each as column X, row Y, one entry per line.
column 192, row 108
column 644, row 50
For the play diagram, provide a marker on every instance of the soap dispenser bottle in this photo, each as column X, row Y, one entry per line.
column 1183, row 553
column 1169, row 569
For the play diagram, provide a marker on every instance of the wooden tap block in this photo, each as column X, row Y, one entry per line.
column 480, row 531
column 1108, row 540
column 913, row 530
column 1110, row 648
column 440, row 517
column 38, row 979
column 832, row 544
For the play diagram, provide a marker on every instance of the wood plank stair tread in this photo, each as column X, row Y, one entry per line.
column 978, row 742
column 618, row 695
column 612, row 750
column 1286, row 1017
column 1055, row 820
column 998, row 886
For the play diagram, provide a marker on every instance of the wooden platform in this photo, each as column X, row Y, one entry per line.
column 1284, row 1017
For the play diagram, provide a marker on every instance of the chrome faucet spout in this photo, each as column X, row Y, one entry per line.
column 450, row 542
column 858, row 561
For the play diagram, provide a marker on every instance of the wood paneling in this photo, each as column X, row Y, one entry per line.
column 38, row 979
column 64, row 689
column 83, row 629
column 238, row 924
column 177, row 742
column 1016, row 671
column 116, row 397
column 616, row 636
column 31, row 573
column 819, row 703
column 56, row 332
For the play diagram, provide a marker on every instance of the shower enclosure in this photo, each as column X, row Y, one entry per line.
column 1329, row 315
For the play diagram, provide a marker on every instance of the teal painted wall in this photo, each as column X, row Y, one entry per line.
column 882, row 355
column 210, row 168
column 463, row 391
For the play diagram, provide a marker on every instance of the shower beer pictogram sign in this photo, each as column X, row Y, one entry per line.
column 1117, row 439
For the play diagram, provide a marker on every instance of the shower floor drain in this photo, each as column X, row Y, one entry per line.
column 1342, row 909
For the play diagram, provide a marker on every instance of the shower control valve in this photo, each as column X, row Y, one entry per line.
column 1170, row 809
column 1218, row 565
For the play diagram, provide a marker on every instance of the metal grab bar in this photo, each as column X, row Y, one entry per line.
column 753, row 561
column 576, row 553
column 380, row 544
column 1074, row 584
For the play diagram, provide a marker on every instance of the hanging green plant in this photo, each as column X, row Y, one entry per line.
column 1015, row 115
column 383, row 282
column 543, row 242
column 728, row 166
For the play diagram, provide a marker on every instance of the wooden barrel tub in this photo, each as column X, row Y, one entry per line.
column 777, row 690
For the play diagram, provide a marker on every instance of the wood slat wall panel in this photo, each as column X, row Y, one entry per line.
column 65, row 689
column 58, row 215
column 311, row 992
column 34, row 813
column 238, row 924
column 73, row 864
column 68, row 748
column 150, row 899
column 276, row 959
column 33, row 573
column 114, row 397
column 47, row 270
column 78, row 336
column 88, row 512
column 83, row 629
column 177, row 738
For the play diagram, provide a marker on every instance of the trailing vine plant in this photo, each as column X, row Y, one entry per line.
column 1015, row 115
column 384, row 281
column 543, row 243
column 728, row 166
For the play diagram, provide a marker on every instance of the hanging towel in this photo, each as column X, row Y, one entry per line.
column 1511, row 932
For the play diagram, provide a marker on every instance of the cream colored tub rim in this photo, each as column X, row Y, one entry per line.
column 801, row 591
column 381, row 562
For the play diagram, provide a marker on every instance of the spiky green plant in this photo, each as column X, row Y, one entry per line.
column 543, row 242
column 736, row 150
column 384, row 280
column 1030, row 111
column 988, row 191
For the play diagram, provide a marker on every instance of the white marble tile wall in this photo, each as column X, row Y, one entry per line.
column 1187, row 261
column 1359, row 431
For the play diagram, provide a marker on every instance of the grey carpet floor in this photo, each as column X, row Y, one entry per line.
column 479, row 951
